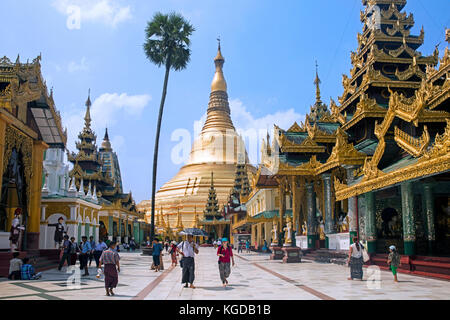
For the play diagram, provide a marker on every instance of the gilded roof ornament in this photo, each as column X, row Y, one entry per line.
column 219, row 83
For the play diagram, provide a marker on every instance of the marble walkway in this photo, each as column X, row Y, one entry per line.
column 254, row 277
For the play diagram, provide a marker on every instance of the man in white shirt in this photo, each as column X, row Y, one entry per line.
column 188, row 249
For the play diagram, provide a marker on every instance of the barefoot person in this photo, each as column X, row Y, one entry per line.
column 59, row 232
column 110, row 259
column 225, row 254
column 393, row 261
column 157, row 252
column 188, row 249
column 355, row 260
column 173, row 253
column 16, row 231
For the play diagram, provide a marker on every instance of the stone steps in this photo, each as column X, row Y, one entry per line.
column 326, row 256
column 42, row 260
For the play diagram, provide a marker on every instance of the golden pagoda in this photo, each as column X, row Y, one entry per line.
column 217, row 149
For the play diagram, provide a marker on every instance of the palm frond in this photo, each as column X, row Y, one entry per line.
column 168, row 40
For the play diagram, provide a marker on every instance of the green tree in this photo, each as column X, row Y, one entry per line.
column 167, row 44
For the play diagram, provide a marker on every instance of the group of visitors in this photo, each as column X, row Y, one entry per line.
column 22, row 269
column 358, row 256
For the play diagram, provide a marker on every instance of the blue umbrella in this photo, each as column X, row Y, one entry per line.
column 194, row 232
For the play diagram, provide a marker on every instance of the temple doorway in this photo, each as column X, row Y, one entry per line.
column 13, row 196
column 442, row 226
column 389, row 230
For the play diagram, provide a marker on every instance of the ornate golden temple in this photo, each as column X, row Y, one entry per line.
column 376, row 165
column 217, row 149
column 29, row 125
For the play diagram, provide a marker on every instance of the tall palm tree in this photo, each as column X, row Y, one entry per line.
column 167, row 44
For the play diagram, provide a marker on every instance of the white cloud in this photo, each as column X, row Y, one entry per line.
column 76, row 67
column 106, row 111
column 108, row 12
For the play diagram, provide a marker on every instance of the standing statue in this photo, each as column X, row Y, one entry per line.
column 59, row 232
column 343, row 223
column 288, row 232
column 16, row 231
column 304, row 229
column 274, row 233
column 321, row 228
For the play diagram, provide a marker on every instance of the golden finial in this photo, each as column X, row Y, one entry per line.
column 219, row 83
column 317, row 82
column 87, row 117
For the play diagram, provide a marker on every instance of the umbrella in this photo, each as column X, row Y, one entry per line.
column 194, row 232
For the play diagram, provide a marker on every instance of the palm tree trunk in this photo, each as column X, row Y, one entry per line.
column 155, row 154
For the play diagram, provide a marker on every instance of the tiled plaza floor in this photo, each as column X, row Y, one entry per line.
column 254, row 277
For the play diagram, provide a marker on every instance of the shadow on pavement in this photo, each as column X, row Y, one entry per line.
column 216, row 288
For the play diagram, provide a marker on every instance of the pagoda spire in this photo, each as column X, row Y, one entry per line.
column 87, row 117
column 218, row 108
column 317, row 82
column 212, row 208
column 179, row 220
column 219, row 83
column 106, row 144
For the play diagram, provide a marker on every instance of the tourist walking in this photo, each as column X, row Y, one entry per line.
column 393, row 261
column 156, row 253
column 132, row 245
column 225, row 253
column 247, row 246
column 59, row 232
column 91, row 254
column 84, row 255
column 355, row 260
column 173, row 253
column 110, row 260
column 188, row 249
column 98, row 250
column 74, row 249
column 65, row 253
column 240, row 245
column 15, row 267
column 166, row 245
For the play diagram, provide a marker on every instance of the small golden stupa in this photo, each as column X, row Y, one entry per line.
column 217, row 149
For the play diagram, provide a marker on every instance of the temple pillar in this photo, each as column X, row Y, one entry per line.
column 119, row 236
column 429, row 209
column 282, row 210
column 34, row 218
column 328, row 208
column 110, row 227
column 409, row 228
column 311, row 219
column 295, row 204
column 352, row 206
column 371, row 231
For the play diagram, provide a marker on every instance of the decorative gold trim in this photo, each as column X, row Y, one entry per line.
column 414, row 146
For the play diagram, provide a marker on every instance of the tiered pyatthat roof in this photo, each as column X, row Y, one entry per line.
column 211, row 211
column 387, row 56
column 412, row 138
column 308, row 142
column 110, row 165
column 319, row 110
column 386, row 63
column 99, row 169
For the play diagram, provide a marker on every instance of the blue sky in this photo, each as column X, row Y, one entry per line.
column 270, row 49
